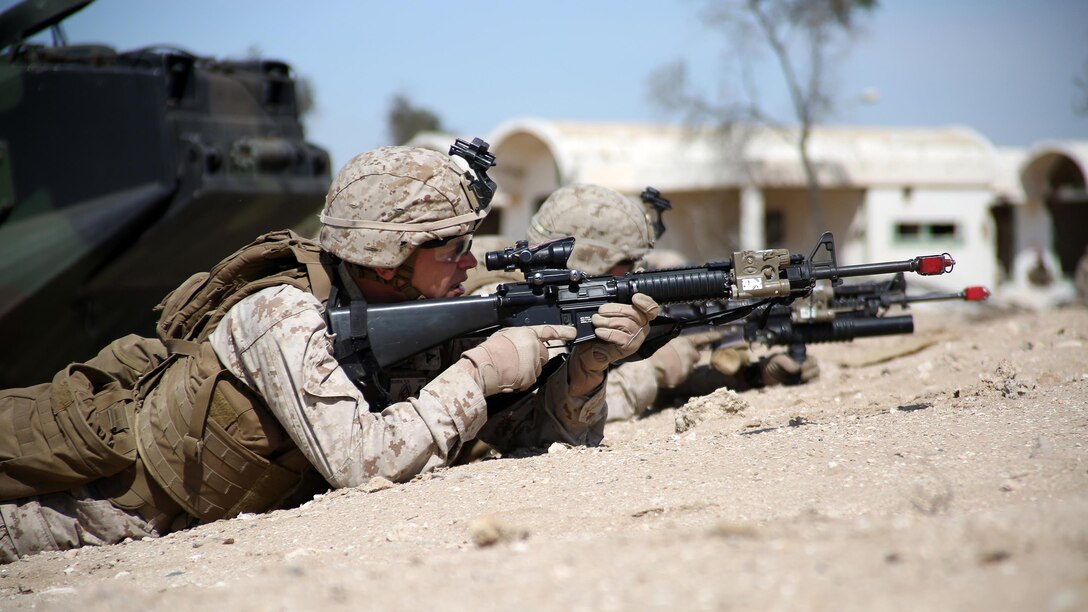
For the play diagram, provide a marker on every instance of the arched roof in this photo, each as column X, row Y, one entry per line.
column 1040, row 158
column 627, row 156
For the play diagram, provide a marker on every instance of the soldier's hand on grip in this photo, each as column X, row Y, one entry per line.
column 620, row 330
column 511, row 359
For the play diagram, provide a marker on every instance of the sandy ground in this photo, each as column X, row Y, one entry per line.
column 944, row 470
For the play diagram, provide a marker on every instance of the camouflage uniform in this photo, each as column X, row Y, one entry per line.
column 68, row 519
column 608, row 229
column 277, row 340
column 383, row 206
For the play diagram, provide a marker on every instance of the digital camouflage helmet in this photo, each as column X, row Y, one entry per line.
column 608, row 228
column 386, row 203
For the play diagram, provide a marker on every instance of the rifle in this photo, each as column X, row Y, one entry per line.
column 553, row 294
column 873, row 299
column 830, row 314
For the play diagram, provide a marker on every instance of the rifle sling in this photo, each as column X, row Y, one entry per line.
column 352, row 348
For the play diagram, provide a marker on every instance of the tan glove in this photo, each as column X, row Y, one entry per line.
column 620, row 330
column 730, row 361
column 781, row 369
column 674, row 362
column 511, row 358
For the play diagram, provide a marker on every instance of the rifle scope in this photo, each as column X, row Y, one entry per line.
column 546, row 255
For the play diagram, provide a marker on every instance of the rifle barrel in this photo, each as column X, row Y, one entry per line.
column 886, row 267
column 927, row 265
column 933, row 297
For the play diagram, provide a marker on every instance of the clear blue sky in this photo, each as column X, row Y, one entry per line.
column 1002, row 67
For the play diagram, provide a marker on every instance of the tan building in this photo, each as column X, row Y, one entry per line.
column 886, row 193
column 1052, row 212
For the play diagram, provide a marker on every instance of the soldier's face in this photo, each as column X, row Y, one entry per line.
column 438, row 276
column 622, row 268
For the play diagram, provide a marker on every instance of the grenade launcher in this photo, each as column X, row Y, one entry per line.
column 827, row 314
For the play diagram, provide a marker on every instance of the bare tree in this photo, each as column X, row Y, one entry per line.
column 805, row 37
column 406, row 120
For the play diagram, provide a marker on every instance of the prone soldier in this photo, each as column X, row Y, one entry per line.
column 241, row 400
column 615, row 235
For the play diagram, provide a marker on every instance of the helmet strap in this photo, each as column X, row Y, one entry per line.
column 401, row 281
column 402, row 277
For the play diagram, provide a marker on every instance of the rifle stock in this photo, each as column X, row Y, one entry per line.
column 398, row 331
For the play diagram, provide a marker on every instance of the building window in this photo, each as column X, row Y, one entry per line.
column 943, row 231
column 774, row 228
column 907, row 231
column 927, row 232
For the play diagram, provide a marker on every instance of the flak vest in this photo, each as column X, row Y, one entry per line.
column 159, row 425
column 203, row 436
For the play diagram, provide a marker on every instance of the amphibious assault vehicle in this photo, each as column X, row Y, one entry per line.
column 124, row 172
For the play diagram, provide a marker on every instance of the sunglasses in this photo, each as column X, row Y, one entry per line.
column 450, row 249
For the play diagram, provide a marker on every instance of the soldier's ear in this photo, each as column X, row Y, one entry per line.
column 386, row 273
